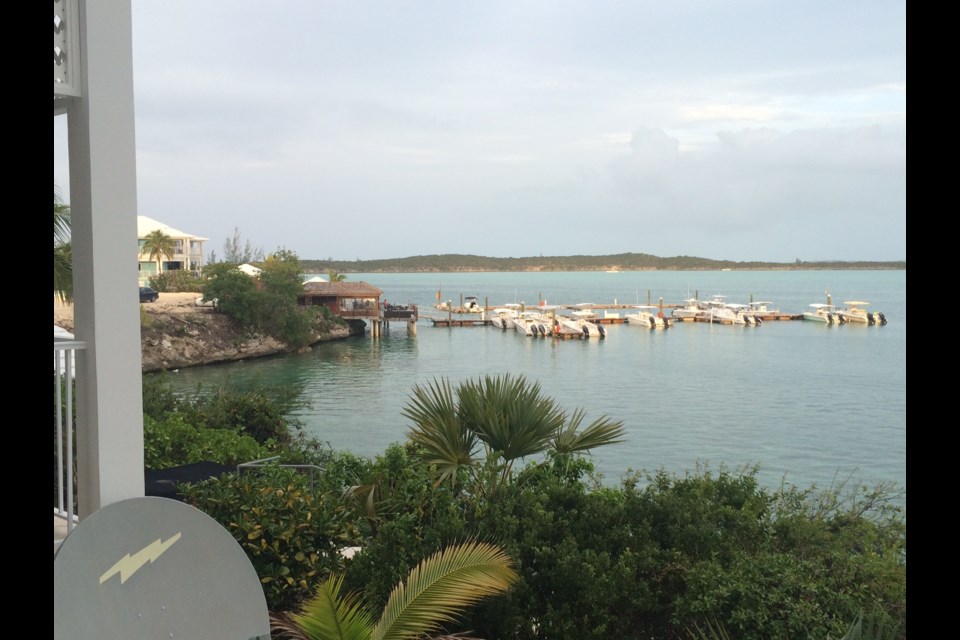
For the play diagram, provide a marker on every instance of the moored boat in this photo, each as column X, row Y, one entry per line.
column 691, row 309
column 645, row 316
column 824, row 313
column 503, row 318
column 857, row 313
column 763, row 311
column 584, row 321
column 531, row 323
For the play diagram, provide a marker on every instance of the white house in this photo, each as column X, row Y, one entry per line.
column 249, row 269
column 187, row 250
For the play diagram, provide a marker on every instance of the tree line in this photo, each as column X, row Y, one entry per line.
column 451, row 262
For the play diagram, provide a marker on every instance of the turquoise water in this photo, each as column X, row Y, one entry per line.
column 807, row 402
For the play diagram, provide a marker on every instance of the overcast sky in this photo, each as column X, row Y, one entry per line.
column 735, row 130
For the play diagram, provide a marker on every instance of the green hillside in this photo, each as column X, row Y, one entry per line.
column 451, row 262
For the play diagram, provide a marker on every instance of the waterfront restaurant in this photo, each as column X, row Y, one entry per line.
column 345, row 299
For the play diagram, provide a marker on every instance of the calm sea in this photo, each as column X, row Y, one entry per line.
column 809, row 403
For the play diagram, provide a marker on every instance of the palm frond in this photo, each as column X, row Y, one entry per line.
column 330, row 616
column 63, row 271
column 441, row 586
column 714, row 631
column 438, row 430
column 509, row 415
column 602, row 431
column 282, row 625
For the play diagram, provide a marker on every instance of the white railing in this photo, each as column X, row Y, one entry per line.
column 66, row 49
column 65, row 351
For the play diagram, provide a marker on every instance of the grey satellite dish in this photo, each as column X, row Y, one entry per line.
column 155, row 568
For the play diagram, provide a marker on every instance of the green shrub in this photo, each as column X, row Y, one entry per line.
column 176, row 280
column 291, row 532
column 658, row 556
column 173, row 442
column 407, row 517
column 262, row 412
column 268, row 304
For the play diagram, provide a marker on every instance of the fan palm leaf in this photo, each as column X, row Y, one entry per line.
column 509, row 415
column 438, row 429
column 601, row 432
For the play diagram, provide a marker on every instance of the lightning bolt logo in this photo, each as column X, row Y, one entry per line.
column 130, row 564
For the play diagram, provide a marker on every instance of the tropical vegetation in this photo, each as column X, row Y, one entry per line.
column 505, row 415
column 62, row 251
column 157, row 245
column 707, row 553
column 434, row 593
column 268, row 303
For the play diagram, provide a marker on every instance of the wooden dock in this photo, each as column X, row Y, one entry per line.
column 715, row 320
column 461, row 318
column 458, row 322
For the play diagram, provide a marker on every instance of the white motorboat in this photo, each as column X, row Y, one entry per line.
column 742, row 314
column 691, row 309
column 503, row 318
column 565, row 326
column 717, row 310
column 584, row 319
column 857, row 313
column 647, row 316
column 532, row 323
column 825, row 313
column 472, row 305
column 763, row 311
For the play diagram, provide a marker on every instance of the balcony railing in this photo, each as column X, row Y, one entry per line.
column 66, row 49
column 65, row 352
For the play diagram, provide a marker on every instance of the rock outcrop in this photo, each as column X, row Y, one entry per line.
column 179, row 340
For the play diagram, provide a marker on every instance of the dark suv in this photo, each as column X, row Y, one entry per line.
column 148, row 295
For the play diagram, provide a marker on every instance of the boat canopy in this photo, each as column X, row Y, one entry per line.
column 856, row 303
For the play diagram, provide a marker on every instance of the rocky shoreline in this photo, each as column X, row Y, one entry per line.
column 175, row 333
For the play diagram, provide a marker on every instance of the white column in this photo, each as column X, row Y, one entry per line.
column 103, row 203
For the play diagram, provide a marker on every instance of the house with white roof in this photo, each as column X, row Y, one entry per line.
column 187, row 250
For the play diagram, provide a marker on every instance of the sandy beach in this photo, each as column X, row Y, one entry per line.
column 166, row 303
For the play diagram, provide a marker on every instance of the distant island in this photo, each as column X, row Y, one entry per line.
column 451, row 262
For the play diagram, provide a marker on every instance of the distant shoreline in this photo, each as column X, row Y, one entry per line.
column 621, row 270
column 450, row 263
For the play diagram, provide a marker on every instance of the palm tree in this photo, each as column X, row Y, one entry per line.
column 158, row 245
column 435, row 592
column 508, row 416
column 62, row 254
column 335, row 276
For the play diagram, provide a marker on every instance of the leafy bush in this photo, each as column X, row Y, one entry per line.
column 268, row 303
column 408, row 516
column 261, row 412
column 658, row 556
column 173, row 442
column 177, row 280
column 291, row 532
